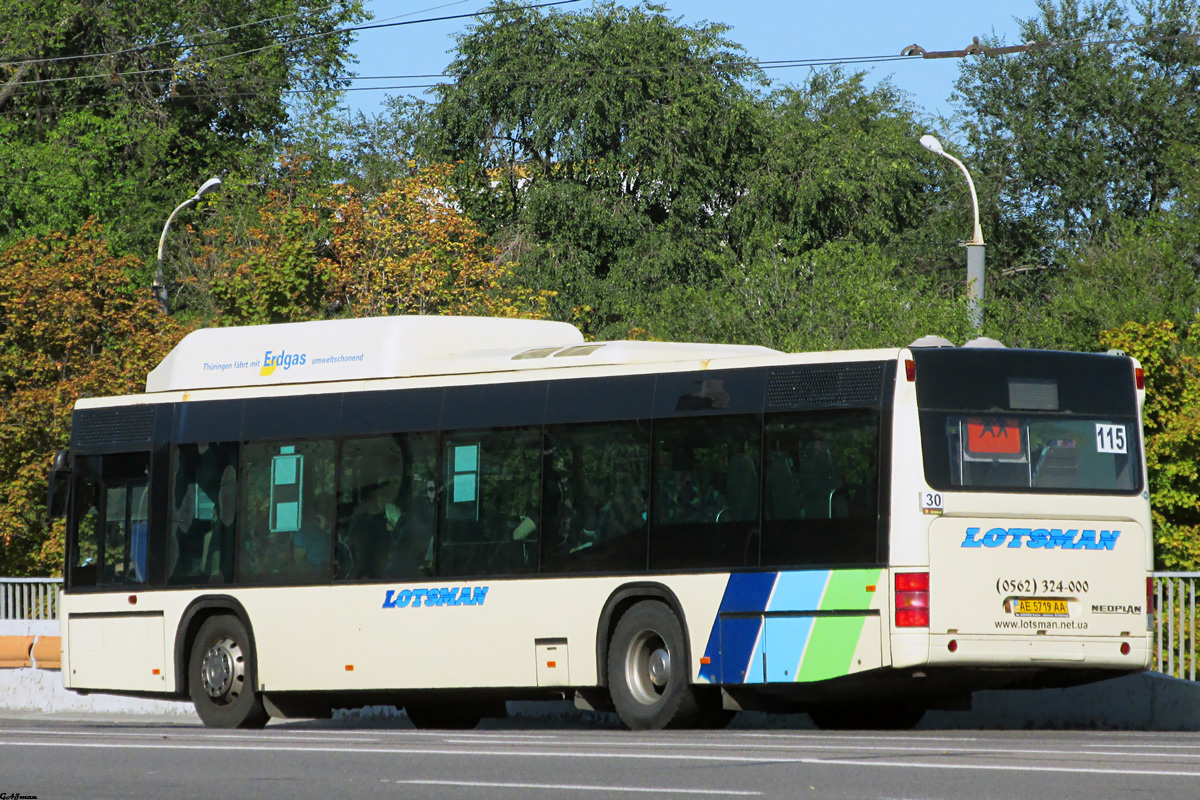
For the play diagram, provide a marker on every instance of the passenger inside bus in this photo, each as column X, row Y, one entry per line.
column 369, row 537
column 312, row 543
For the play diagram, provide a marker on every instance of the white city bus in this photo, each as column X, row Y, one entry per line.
column 447, row 513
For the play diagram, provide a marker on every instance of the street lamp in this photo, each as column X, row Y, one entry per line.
column 160, row 289
column 975, row 247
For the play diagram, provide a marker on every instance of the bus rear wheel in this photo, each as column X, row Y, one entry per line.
column 221, row 675
column 647, row 670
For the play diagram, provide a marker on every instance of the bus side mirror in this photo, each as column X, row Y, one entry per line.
column 58, row 488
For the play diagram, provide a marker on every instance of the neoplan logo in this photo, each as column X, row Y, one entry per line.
column 1110, row 609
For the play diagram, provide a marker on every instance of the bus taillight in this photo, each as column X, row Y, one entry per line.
column 1139, row 378
column 912, row 600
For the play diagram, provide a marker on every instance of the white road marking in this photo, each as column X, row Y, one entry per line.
column 198, row 734
column 708, row 758
column 899, row 747
column 580, row 787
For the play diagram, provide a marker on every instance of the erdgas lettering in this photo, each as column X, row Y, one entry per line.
column 283, row 359
column 1041, row 538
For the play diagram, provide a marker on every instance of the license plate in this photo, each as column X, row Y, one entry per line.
column 1039, row 607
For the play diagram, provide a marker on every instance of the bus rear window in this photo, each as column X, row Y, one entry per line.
column 1005, row 420
column 1030, row 452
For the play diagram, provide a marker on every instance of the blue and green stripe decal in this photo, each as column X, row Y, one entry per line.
column 766, row 629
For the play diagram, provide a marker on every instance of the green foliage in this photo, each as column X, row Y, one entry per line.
column 840, row 296
column 624, row 98
column 71, row 325
column 301, row 248
column 409, row 250
column 1073, row 140
column 837, row 162
column 261, row 257
column 1172, row 427
column 192, row 88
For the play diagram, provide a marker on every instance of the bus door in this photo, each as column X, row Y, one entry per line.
column 117, row 645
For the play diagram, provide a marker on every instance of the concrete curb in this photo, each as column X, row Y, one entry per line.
column 32, row 689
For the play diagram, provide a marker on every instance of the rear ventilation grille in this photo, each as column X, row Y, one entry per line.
column 128, row 425
column 826, row 385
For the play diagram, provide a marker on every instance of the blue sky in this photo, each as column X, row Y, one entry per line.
column 768, row 30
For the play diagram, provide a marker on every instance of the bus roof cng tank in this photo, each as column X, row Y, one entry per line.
column 403, row 347
column 337, row 350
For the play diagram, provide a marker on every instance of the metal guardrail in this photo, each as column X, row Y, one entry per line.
column 29, row 598
column 1175, row 623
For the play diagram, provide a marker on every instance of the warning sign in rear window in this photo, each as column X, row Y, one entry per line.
column 994, row 436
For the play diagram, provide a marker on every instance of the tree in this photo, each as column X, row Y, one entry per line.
column 1077, row 137
column 842, row 295
column 264, row 256
column 410, row 250
column 625, row 98
column 1172, row 424
column 116, row 110
column 838, row 162
column 72, row 325
column 299, row 248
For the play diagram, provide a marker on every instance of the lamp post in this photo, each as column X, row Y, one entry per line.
column 159, row 291
column 975, row 247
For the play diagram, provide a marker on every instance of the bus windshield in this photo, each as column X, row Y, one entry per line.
column 1028, row 421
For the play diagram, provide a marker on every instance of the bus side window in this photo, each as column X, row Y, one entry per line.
column 385, row 510
column 286, row 506
column 490, row 509
column 115, row 556
column 203, row 513
column 87, row 530
column 820, row 489
column 705, row 507
column 594, row 505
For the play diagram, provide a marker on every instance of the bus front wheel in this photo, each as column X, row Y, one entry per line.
column 221, row 676
column 647, row 670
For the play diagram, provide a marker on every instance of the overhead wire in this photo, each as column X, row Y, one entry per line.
column 388, row 22
column 565, row 74
column 18, row 62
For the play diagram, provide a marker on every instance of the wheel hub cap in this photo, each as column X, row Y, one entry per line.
column 221, row 668
column 660, row 667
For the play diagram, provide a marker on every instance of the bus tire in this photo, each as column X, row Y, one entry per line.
column 442, row 716
column 647, row 670
column 221, row 675
column 866, row 717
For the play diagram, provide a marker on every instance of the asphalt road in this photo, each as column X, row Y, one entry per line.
column 108, row 758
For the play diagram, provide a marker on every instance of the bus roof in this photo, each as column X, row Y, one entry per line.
column 399, row 347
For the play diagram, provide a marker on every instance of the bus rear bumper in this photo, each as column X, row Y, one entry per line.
column 1123, row 653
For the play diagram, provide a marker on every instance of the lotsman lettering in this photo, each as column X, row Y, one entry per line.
column 1016, row 534
column 1064, row 540
column 995, row 537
